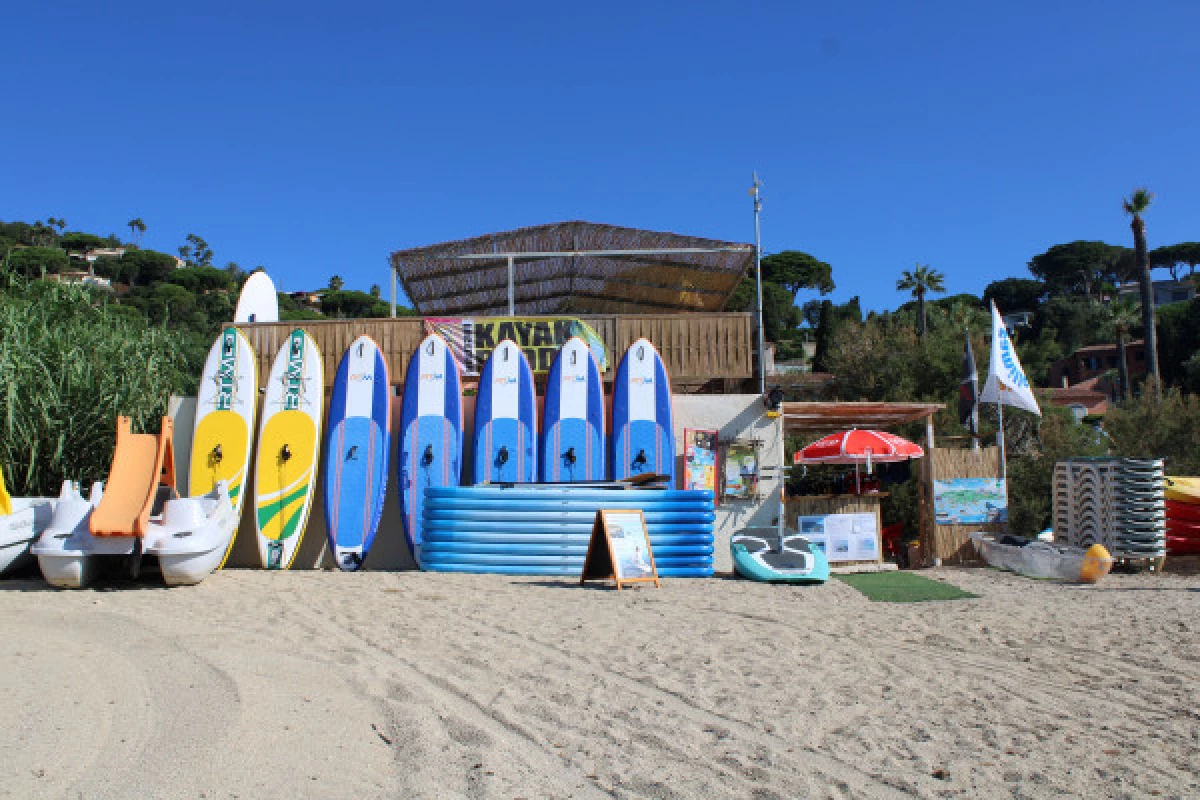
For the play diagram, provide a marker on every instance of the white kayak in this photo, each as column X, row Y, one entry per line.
column 189, row 536
column 1040, row 559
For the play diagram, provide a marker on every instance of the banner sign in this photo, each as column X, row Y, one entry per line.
column 472, row 340
column 970, row 501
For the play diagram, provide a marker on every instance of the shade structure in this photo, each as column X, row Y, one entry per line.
column 574, row 267
column 859, row 447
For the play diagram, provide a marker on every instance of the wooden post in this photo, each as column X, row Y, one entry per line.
column 928, row 518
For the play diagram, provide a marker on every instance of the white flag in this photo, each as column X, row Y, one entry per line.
column 1006, row 381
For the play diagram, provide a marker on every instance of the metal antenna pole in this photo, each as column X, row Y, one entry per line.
column 512, row 294
column 762, row 364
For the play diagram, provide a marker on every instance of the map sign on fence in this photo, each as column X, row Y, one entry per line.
column 970, row 501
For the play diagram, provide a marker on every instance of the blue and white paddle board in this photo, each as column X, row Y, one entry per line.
column 643, row 440
column 505, row 419
column 357, row 440
column 573, row 417
column 431, row 431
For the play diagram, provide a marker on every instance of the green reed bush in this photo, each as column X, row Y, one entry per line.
column 70, row 362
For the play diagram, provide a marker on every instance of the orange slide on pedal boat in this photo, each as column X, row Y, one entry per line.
column 142, row 463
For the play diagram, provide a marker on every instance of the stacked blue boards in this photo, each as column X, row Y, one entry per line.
column 545, row 529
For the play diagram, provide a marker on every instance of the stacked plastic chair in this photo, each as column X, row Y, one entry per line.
column 1116, row 502
column 544, row 530
column 1183, row 516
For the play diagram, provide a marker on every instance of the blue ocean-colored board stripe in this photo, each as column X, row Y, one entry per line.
column 655, row 438
column 582, row 435
column 359, row 483
column 518, row 436
column 445, row 436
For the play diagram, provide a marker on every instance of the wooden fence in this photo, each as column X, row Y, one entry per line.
column 696, row 348
column 950, row 543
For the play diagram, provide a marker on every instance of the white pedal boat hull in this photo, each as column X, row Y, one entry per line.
column 190, row 539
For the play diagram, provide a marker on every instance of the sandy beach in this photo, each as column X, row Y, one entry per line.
column 316, row 684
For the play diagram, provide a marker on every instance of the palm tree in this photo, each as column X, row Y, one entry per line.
column 136, row 229
column 920, row 280
column 1124, row 317
column 1135, row 205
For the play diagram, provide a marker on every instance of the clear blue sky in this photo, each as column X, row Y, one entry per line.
column 315, row 139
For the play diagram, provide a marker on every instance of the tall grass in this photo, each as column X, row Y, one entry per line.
column 70, row 362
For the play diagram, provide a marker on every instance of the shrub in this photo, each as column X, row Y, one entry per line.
column 69, row 364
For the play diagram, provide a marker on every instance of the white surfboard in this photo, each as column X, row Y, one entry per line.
column 258, row 301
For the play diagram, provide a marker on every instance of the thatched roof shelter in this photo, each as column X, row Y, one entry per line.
column 576, row 268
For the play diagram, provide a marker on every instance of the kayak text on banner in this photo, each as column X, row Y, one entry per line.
column 472, row 340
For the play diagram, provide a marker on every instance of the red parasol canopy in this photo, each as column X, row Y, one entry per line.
column 858, row 447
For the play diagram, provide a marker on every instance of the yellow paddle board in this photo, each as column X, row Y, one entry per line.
column 225, row 408
column 5, row 500
column 288, row 447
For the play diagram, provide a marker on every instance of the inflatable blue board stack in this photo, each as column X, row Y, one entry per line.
column 544, row 530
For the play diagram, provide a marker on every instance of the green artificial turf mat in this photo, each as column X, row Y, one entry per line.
column 902, row 587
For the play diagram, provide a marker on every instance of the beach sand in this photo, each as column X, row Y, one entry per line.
column 320, row 684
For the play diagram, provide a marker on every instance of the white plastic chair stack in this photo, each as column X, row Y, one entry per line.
column 1118, row 503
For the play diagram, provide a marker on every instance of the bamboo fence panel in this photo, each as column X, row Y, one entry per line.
column 951, row 543
column 695, row 348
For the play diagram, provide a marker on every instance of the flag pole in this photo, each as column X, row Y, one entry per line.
column 1000, row 432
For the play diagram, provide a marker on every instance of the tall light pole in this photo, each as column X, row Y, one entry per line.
column 762, row 365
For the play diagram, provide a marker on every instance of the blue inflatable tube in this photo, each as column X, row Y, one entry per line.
column 522, row 506
column 448, row 560
column 551, row 528
column 557, row 571
column 692, row 541
column 565, row 492
column 539, row 548
column 515, row 515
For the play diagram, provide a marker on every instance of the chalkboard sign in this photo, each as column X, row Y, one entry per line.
column 620, row 550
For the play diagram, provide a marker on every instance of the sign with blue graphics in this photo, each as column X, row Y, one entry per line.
column 1006, row 382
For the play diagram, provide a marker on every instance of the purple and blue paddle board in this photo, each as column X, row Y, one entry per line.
column 643, row 440
column 505, row 419
column 431, row 431
column 357, row 441
column 573, row 417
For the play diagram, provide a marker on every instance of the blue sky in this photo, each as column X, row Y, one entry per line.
column 315, row 139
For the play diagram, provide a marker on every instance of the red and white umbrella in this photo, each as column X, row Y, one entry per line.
column 858, row 447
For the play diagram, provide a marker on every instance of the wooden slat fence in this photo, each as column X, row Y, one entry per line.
column 696, row 348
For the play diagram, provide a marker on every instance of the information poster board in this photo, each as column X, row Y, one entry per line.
column 740, row 472
column 619, row 549
column 699, row 459
column 970, row 501
column 842, row 537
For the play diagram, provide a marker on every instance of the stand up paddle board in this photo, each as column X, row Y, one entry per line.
column 573, row 417
column 357, row 441
column 431, row 431
column 288, row 447
column 258, row 301
column 224, row 429
column 643, row 440
column 505, row 419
